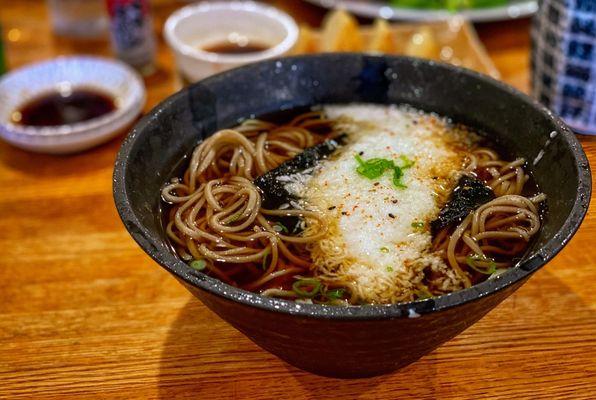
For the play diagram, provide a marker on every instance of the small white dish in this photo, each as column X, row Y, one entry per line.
column 196, row 26
column 112, row 77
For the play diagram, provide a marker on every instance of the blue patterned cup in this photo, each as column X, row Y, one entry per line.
column 564, row 61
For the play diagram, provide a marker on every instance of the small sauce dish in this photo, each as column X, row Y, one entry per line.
column 211, row 37
column 69, row 82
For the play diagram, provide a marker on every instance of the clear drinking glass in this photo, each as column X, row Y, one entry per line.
column 79, row 18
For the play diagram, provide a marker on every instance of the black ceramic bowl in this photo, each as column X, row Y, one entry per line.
column 363, row 340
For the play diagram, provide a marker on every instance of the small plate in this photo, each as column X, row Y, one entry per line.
column 105, row 75
column 383, row 9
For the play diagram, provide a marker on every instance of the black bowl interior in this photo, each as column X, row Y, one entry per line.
column 155, row 147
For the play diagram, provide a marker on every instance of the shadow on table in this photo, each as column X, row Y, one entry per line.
column 203, row 357
column 231, row 366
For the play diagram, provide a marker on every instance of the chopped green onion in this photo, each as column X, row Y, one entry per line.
column 497, row 273
column 279, row 227
column 384, row 249
column 308, row 287
column 417, row 224
column 335, row 294
column 398, row 173
column 198, row 265
column 423, row 293
column 492, row 266
column 407, row 163
column 375, row 167
column 389, row 269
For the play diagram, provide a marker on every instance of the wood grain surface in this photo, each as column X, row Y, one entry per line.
column 84, row 313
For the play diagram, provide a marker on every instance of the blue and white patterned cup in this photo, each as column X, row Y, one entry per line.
column 564, row 61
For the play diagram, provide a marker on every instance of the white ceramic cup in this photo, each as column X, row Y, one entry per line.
column 194, row 27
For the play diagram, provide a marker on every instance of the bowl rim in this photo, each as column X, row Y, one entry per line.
column 134, row 104
column 270, row 12
column 413, row 309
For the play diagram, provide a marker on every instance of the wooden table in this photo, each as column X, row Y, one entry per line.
column 84, row 313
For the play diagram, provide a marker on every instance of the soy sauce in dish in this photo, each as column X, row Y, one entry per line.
column 229, row 47
column 56, row 108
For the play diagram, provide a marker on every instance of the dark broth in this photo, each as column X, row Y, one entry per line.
column 228, row 47
column 54, row 108
column 285, row 282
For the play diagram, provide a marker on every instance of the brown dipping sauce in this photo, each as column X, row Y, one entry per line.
column 228, row 47
column 54, row 109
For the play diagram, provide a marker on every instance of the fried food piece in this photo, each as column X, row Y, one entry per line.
column 381, row 40
column 341, row 33
column 423, row 44
column 307, row 41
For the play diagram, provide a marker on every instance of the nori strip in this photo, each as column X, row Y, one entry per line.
column 469, row 194
column 273, row 192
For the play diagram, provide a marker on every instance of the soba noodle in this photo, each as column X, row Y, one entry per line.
column 491, row 236
column 217, row 214
column 218, row 224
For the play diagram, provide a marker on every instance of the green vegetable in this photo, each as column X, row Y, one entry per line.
column 389, row 269
column 198, row 265
column 423, row 293
column 397, row 175
column 417, row 224
column 384, row 249
column 376, row 167
column 407, row 163
column 483, row 269
column 335, row 294
column 308, row 287
column 497, row 273
column 279, row 227
column 373, row 168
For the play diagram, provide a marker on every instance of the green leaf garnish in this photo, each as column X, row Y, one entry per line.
column 373, row 168
column 487, row 267
column 335, row 294
column 198, row 265
column 389, row 269
column 376, row 167
column 417, row 224
column 423, row 293
column 407, row 163
column 308, row 287
column 384, row 249
column 279, row 227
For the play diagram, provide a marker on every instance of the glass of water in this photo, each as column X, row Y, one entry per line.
column 79, row 18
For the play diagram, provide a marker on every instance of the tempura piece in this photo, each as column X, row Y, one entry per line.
column 307, row 41
column 341, row 33
column 382, row 40
column 423, row 44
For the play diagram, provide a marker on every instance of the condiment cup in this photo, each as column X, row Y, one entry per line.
column 111, row 77
column 188, row 30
